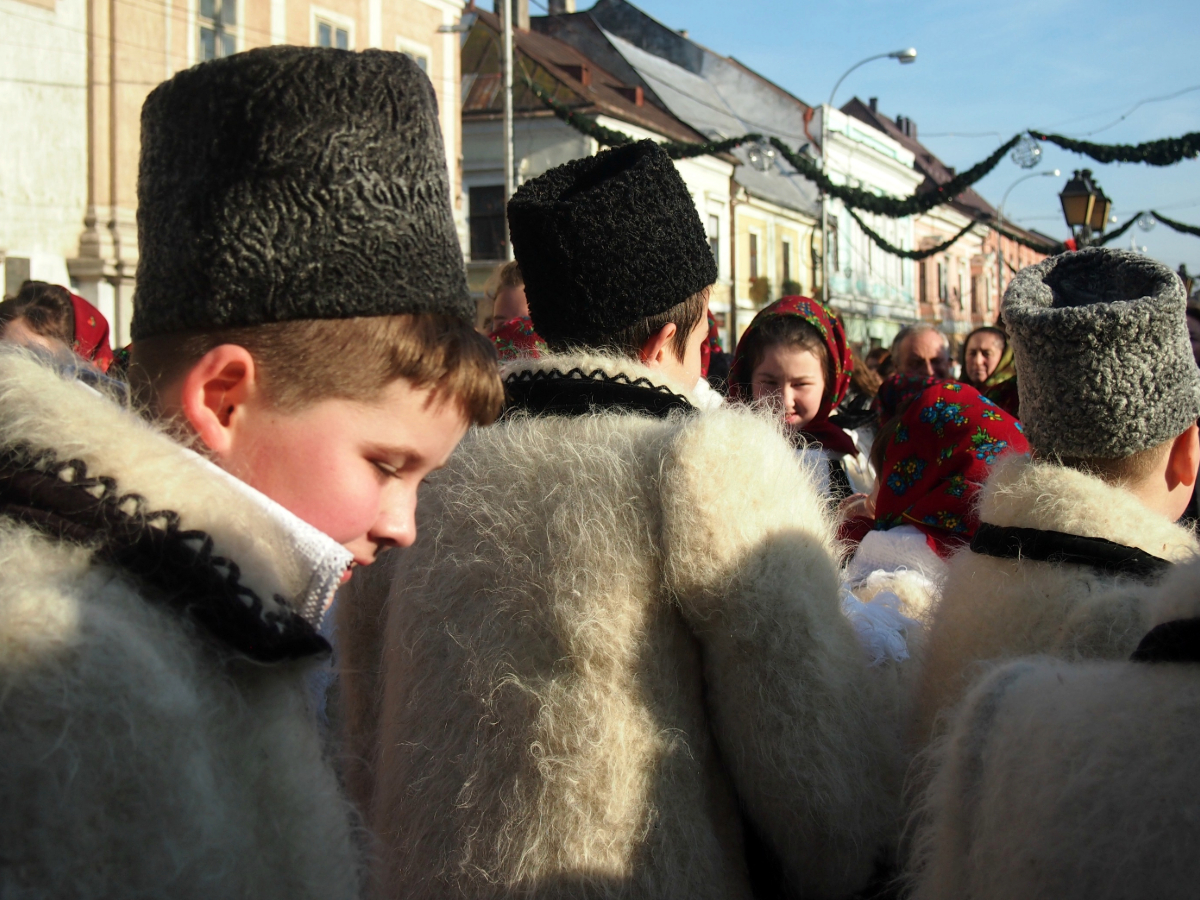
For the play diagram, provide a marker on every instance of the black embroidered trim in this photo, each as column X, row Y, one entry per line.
column 1103, row 555
column 551, row 392
column 64, row 502
column 1177, row 641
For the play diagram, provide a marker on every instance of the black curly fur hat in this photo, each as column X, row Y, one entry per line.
column 606, row 241
column 293, row 183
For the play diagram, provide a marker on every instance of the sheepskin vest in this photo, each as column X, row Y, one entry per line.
column 1071, row 780
column 1081, row 600
column 616, row 638
column 153, row 728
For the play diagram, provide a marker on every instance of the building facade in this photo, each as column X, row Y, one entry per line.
column 76, row 81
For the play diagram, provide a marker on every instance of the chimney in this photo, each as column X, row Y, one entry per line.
column 582, row 74
column 874, row 104
column 633, row 94
column 520, row 12
column 907, row 126
column 558, row 7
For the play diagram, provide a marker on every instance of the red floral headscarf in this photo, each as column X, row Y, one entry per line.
column 711, row 345
column 828, row 324
column 91, row 334
column 516, row 339
column 946, row 443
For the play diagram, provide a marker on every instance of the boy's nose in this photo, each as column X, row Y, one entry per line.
column 396, row 525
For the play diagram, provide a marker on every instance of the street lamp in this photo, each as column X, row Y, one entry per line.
column 1085, row 207
column 906, row 56
column 1000, row 221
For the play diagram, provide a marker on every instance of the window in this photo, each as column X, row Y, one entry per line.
column 923, row 289
column 330, row 35
column 218, row 18
column 714, row 238
column 787, row 261
column 943, row 282
column 488, row 234
column 418, row 53
column 753, row 256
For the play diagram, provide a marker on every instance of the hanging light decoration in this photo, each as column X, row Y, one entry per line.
column 1028, row 152
column 761, row 156
column 1146, row 222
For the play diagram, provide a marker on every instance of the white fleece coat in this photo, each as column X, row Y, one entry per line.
column 612, row 632
column 1071, row 781
column 139, row 759
column 997, row 609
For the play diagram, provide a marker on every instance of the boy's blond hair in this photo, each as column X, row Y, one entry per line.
column 1121, row 471
column 305, row 361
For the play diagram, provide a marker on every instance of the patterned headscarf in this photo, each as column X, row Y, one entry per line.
column 828, row 324
column 942, row 452
column 91, row 334
column 516, row 339
column 711, row 345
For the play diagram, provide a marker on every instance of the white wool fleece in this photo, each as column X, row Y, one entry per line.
column 995, row 609
column 138, row 760
column 611, row 632
column 1066, row 781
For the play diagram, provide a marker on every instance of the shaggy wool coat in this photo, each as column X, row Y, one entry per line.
column 1071, row 781
column 142, row 757
column 996, row 609
column 615, row 636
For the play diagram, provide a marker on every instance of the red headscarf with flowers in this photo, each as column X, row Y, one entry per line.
column 943, row 450
column 516, row 339
column 711, row 345
column 828, row 324
column 91, row 334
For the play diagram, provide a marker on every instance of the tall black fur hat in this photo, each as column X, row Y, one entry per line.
column 606, row 241
column 293, row 183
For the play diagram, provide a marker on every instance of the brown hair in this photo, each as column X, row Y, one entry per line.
column 684, row 316
column 46, row 309
column 506, row 276
column 305, row 361
column 785, row 331
column 863, row 379
column 1121, row 471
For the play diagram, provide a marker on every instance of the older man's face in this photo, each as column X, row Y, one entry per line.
column 925, row 354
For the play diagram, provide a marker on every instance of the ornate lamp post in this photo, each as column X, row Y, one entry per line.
column 1085, row 207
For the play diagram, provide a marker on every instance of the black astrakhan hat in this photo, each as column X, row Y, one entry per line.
column 293, row 183
column 606, row 241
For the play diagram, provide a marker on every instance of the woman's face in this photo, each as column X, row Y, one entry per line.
column 983, row 356
column 794, row 378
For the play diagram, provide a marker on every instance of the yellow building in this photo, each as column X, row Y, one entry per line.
column 75, row 74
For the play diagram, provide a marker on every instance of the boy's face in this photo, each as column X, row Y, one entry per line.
column 348, row 468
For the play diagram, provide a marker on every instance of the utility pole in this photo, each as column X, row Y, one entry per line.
column 506, row 26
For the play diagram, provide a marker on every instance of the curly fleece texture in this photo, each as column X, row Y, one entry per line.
column 611, row 631
column 606, row 241
column 139, row 760
column 1102, row 350
column 292, row 183
column 998, row 609
column 1069, row 781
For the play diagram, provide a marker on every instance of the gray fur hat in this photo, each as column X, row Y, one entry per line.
column 1104, row 366
column 293, row 183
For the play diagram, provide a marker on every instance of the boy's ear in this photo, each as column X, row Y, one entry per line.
column 1184, row 459
column 214, row 394
column 654, row 352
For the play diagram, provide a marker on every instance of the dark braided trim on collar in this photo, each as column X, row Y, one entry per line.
column 1177, row 641
column 550, row 392
column 64, row 502
column 1105, row 556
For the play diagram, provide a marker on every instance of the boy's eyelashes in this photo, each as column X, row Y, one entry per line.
column 386, row 468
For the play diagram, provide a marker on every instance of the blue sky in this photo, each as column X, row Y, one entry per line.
column 1067, row 67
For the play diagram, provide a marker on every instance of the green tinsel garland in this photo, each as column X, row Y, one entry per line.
column 606, row 137
column 908, row 254
column 893, row 207
column 1113, row 235
column 1165, row 152
column 1178, row 226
